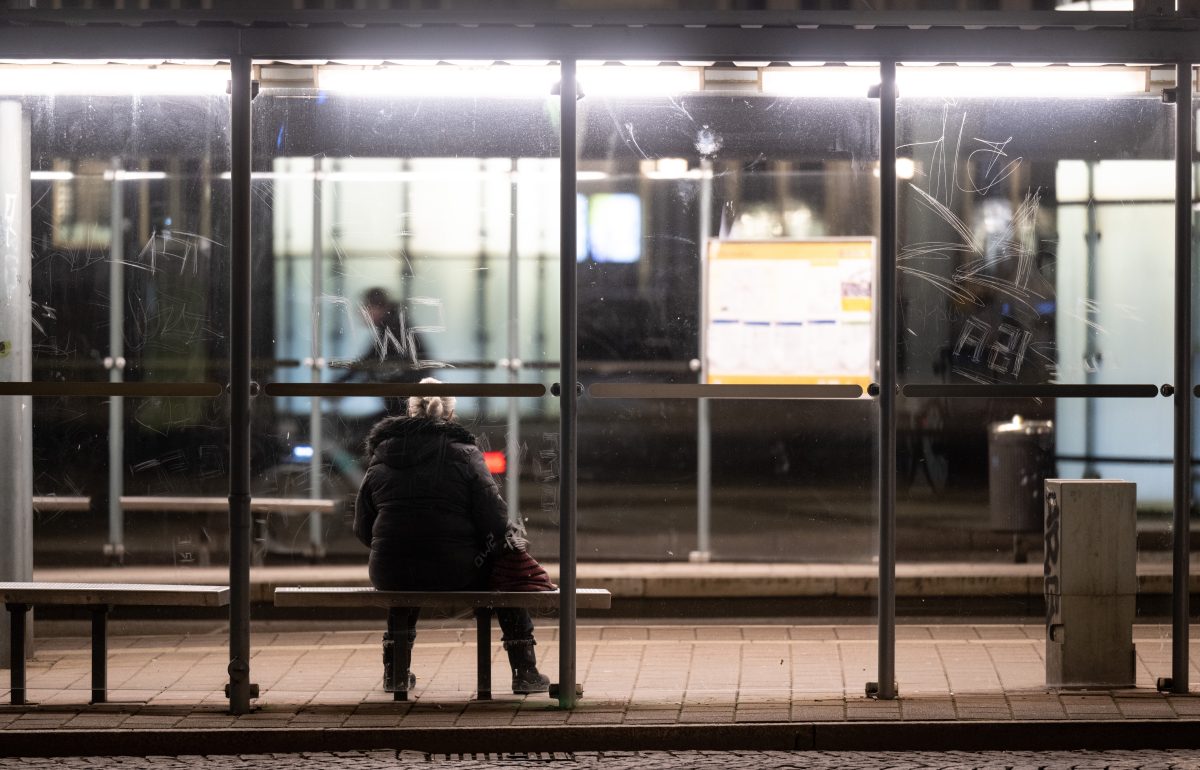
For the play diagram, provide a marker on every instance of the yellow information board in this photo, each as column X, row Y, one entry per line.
column 790, row 312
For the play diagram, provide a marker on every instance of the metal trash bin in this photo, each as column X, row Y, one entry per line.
column 1020, row 459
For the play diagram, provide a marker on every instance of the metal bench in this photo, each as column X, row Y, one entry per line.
column 100, row 598
column 483, row 602
column 206, row 505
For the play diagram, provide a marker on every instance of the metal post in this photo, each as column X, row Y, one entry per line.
column 16, row 646
column 316, row 540
column 568, row 367
column 16, row 363
column 1092, row 343
column 1182, row 539
column 482, row 331
column 512, row 441
column 483, row 653
column 99, row 654
column 703, row 550
column 886, row 686
column 115, row 363
column 239, row 691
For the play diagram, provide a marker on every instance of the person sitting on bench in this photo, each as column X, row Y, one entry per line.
column 434, row 519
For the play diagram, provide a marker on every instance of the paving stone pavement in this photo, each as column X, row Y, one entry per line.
column 649, row 760
column 632, row 674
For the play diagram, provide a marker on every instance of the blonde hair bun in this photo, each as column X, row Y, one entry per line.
column 431, row 407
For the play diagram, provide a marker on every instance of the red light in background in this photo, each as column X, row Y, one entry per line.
column 495, row 462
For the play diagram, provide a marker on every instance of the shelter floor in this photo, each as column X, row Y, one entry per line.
column 317, row 675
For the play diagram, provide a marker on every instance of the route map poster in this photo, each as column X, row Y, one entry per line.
column 790, row 312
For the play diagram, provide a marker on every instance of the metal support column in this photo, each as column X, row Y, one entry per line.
column 1181, row 531
column 16, row 365
column 886, row 686
column 481, row 276
column 114, row 549
column 1091, row 347
column 703, row 550
column 99, row 653
column 483, row 653
column 568, row 368
column 512, row 440
column 17, row 613
column 316, row 536
column 239, row 690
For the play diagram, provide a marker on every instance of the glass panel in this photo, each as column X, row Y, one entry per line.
column 406, row 224
column 752, row 192
column 115, row 272
column 1036, row 247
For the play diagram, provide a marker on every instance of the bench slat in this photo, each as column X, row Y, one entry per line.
column 355, row 596
column 189, row 504
column 221, row 504
column 124, row 594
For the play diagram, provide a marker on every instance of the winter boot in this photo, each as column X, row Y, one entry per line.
column 526, row 678
column 389, row 671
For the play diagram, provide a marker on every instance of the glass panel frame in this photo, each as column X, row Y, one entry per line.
column 1023, row 277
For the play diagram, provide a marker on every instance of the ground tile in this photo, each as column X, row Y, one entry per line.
column 773, row 715
column 705, row 717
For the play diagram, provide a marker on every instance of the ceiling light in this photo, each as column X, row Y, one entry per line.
column 624, row 81
column 446, row 81
column 1038, row 82
column 111, row 79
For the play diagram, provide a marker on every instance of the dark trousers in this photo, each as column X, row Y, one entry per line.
column 515, row 623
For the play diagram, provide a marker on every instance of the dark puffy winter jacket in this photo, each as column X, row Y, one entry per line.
column 428, row 507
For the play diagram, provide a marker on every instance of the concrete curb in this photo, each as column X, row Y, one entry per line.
column 822, row 736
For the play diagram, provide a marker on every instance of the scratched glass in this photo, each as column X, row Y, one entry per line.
column 679, row 166
column 114, row 265
column 406, row 222
column 1036, row 246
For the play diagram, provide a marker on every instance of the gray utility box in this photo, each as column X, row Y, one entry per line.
column 1090, row 582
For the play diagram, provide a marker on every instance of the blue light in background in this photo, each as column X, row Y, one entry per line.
column 302, row 452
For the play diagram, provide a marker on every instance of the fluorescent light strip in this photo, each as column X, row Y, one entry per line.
column 129, row 176
column 906, row 168
column 108, row 175
column 827, row 82
column 626, row 81
column 631, row 79
column 917, row 81
column 444, row 81
column 51, row 176
column 111, row 80
column 1042, row 82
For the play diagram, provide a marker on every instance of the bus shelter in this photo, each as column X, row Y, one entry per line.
column 912, row 112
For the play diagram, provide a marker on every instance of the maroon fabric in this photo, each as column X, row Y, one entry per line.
column 516, row 570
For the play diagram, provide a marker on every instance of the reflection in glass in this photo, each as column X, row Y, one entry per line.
column 763, row 189
column 1036, row 247
column 129, row 218
column 407, row 222
column 1004, row 275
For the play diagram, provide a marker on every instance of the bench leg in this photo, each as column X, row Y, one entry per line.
column 398, row 627
column 99, row 654
column 16, row 647
column 483, row 653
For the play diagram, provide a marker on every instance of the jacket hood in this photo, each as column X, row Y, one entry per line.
column 401, row 441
